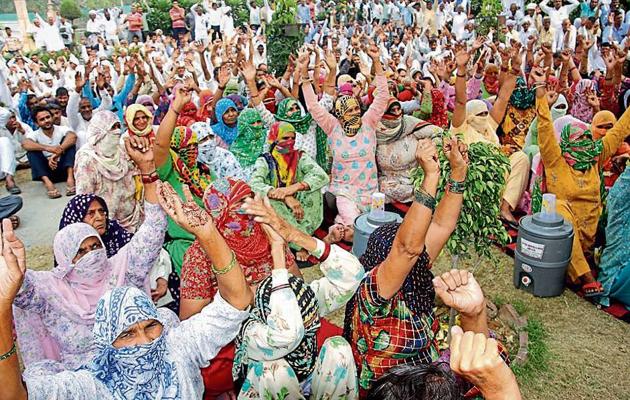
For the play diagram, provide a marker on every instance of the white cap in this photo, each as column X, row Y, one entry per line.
column 531, row 6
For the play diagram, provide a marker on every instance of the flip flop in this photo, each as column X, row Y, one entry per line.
column 592, row 289
column 71, row 191
column 512, row 224
column 14, row 189
column 53, row 194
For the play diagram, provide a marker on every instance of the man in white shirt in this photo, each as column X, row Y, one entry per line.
column 215, row 16
column 94, row 24
column 459, row 23
column 559, row 12
column 565, row 37
column 110, row 23
column 51, row 151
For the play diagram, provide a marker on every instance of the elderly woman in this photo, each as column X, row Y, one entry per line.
column 276, row 347
column 292, row 179
column 138, row 353
column 102, row 167
column 221, row 162
column 397, row 139
column 56, row 309
column 227, row 122
column 390, row 320
column 475, row 123
column 353, row 144
column 572, row 173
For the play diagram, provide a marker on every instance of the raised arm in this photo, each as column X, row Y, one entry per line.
column 144, row 248
column 379, row 105
column 615, row 137
column 162, row 143
column 547, row 142
column 500, row 105
column 12, row 271
column 342, row 271
column 459, row 114
column 447, row 212
column 233, row 287
column 283, row 330
column 409, row 242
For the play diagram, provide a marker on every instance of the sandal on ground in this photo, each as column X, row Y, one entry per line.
column 15, row 189
column 71, row 191
column 53, row 194
column 15, row 221
column 592, row 289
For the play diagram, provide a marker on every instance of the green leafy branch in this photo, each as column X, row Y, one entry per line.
column 478, row 225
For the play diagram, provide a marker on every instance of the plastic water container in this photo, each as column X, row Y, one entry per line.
column 543, row 251
column 367, row 223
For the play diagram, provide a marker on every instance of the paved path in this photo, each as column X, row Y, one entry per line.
column 39, row 214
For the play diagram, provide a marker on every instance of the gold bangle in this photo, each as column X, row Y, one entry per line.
column 230, row 266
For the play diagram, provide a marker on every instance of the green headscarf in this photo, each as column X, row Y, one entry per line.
column 301, row 122
column 522, row 97
column 250, row 142
column 579, row 149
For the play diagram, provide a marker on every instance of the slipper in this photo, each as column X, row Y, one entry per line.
column 14, row 189
column 53, row 194
column 15, row 221
column 71, row 191
column 592, row 289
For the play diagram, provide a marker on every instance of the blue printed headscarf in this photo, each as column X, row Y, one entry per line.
column 133, row 372
column 227, row 133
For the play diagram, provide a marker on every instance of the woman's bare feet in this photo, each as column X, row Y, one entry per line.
column 506, row 213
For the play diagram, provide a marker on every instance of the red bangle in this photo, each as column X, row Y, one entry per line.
column 314, row 260
column 150, row 178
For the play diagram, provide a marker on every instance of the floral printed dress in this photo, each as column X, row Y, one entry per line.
column 269, row 375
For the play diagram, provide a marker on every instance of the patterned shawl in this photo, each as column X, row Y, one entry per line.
column 418, row 291
column 103, row 146
column 302, row 359
column 580, row 108
column 250, row 142
column 184, row 152
column 350, row 123
column 223, row 199
column 578, row 148
column 132, row 372
column 282, row 158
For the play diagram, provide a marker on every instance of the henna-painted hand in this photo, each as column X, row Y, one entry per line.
column 186, row 214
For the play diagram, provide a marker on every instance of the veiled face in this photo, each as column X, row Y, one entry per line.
column 140, row 333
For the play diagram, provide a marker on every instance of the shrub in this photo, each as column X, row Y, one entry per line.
column 69, row 9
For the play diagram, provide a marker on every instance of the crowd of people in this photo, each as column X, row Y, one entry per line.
column 198, row 178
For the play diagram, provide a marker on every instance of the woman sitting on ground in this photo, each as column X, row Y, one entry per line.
column 176, row 150
column 221, row 162
column 572, row 173
column 224, row 200
column 397, row 138
column 103, row 168
column 353, row 144
column 139, row 351
column 473, row 121
column 277, row 347
column 390, row 321
column 293, row 181
column 614, row 268
column 55, row 309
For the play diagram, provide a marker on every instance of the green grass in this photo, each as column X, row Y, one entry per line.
column 538, row 352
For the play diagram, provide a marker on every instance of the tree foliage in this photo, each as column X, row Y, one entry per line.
column 478, row 225
column 487, row 12
column 69, row 9
column 280, row 45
